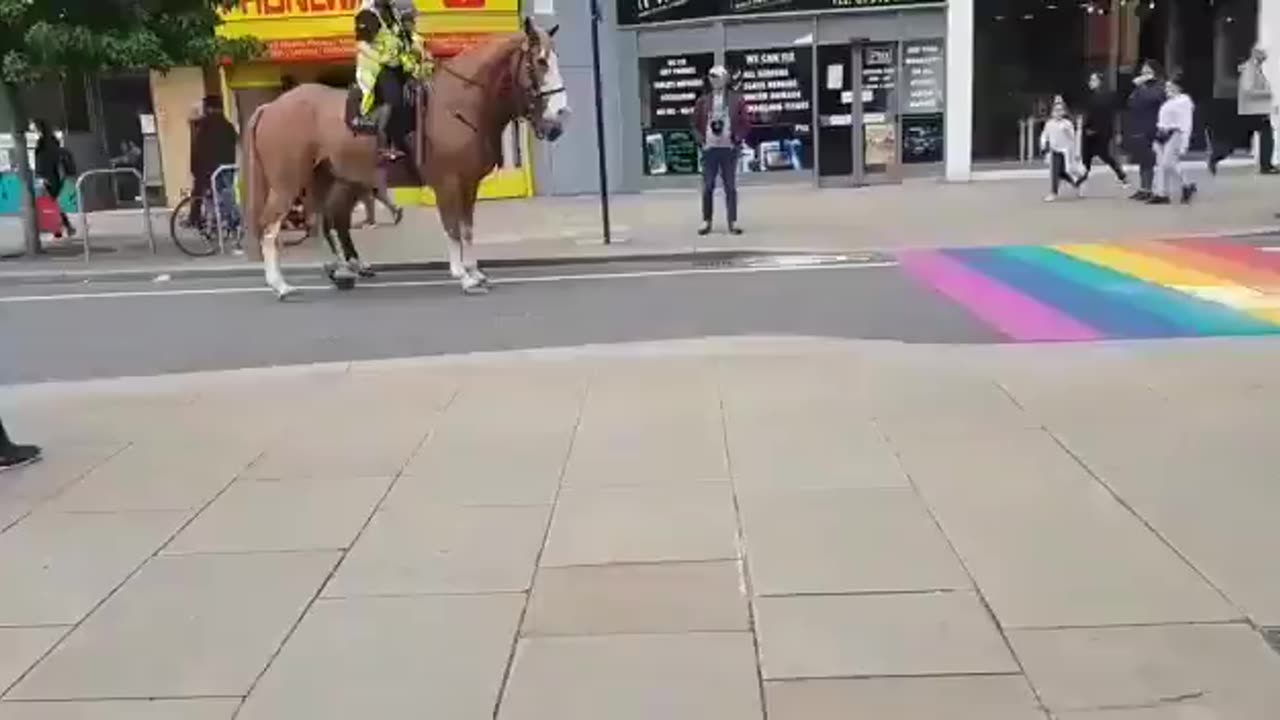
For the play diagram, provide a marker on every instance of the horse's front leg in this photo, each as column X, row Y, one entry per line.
column 466, row 227
column 449, row 202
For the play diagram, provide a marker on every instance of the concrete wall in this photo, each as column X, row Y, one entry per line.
column 569, row 166
column 173, row 94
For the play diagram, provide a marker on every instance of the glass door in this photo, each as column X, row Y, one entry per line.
column 857, row 114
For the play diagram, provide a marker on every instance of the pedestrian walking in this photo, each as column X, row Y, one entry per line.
column 720, row 124
column 1100, row 129
column 1144, row 111
column 1173, row 139
column 53, row 166
column 1058, row 143
column 1254, row 105
column 13, row 455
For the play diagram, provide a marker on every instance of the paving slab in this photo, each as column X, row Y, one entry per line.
column 155, row 474
column 658, row 523
column 1171, row 671
column 1163, row 470
column 620, row 599
column 192, row 626
column 466, row 466
column 925, row 698
column 443, row 549
column 282, row 515
column 816, row 451
column 405, row 657
column 56, row 567
column 1016, row 508
column 841, row 541
column 20, row 648
column 869, row 635
column 203, row 709
column 692, row 676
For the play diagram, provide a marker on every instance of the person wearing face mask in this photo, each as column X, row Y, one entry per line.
column 720, row 124
column 1100, row 128
column 1144, row 111
column 1253, row 106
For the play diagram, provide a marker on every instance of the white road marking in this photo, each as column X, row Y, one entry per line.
column 445, row 283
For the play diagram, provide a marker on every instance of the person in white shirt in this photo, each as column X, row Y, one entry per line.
column 1058, row 142
column 1173, row 139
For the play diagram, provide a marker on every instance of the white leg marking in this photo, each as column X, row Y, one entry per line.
column 271, row 261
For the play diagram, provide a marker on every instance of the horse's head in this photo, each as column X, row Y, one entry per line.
column 546, row 101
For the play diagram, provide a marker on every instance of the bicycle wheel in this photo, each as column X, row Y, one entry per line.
column 193, row 241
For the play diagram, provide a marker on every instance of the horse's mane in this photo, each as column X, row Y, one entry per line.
column 479, row 61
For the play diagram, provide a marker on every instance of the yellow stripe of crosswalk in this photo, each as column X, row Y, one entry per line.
column 1181, row 278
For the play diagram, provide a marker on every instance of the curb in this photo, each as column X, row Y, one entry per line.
column 251, row 269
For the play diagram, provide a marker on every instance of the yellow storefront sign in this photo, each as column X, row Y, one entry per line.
column 311, row 31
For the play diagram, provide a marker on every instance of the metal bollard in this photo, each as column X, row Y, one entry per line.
column 217, row 207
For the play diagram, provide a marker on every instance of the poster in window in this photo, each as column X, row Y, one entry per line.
column 922, row 138
column 924, row 64
column 777, row 86
column 669, row 89
column 640, row 12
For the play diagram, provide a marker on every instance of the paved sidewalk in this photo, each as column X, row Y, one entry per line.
column 921, row 213
column 688, row 531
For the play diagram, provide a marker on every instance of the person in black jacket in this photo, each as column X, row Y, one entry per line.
column 1144, row 112
column 213, row 144
column 1100, row 129
column 53, row 166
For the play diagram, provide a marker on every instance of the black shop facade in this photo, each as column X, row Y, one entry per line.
column 840, row 92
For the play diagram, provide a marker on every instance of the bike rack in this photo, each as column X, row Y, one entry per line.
column 217, row 208
column 146, row 204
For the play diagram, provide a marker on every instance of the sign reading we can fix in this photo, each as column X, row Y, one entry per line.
column 258, row 9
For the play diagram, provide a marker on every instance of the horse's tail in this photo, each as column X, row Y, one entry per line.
column 256, row 190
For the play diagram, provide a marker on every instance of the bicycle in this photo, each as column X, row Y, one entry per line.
column 201, row 239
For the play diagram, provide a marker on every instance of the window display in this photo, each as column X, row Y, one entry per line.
column 669, row 88
column 637, row 12
column 777, row 86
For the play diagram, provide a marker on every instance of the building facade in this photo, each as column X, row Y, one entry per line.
column 945, row 89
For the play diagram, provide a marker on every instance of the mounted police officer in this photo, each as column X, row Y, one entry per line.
column 389, row 54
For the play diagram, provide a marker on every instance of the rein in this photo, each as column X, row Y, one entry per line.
column 530, row 93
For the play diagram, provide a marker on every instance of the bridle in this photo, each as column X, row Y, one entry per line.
column 532, row 99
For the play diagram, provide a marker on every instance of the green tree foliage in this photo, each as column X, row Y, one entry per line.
column 47, row 38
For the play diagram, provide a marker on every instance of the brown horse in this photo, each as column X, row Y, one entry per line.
column 300, row 140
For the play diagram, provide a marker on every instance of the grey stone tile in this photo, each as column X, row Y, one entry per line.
column 1004, row 697
column 345, row 444
column 203, row 709
column 484, row 466
column 648, row 448
column 20, row 648
column 1015, row 506
column 1209, row 671
column 58, row 566
column 634, row 677
column 392, row 658
column 664, row 598
column 839, row 541
column 198, row 625
column 181, row 475
column 600, row 526
column 281, row 515
column 821, row 449
column 866, row 635
column 444, row 549
column 59, row 470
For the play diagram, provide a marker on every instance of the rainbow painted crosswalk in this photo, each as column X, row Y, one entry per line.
column 1152, row 289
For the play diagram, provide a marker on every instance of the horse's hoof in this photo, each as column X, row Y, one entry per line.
column 474, row 288
column 286, row 292
column 480, row 277
column 344, row 283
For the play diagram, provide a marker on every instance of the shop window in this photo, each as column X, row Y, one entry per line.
column 777, row 85
column 669, row 88
column 923, row 101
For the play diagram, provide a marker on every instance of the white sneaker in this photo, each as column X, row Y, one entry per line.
column 1050, row 198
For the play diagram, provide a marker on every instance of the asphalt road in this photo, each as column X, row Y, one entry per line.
column 55, row 331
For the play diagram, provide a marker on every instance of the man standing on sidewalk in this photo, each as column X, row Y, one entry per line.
column 720, row 124
column 1254, row 105
column 213, row 145
column 13, row 455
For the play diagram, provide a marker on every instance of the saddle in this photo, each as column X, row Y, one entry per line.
column 362, row 124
